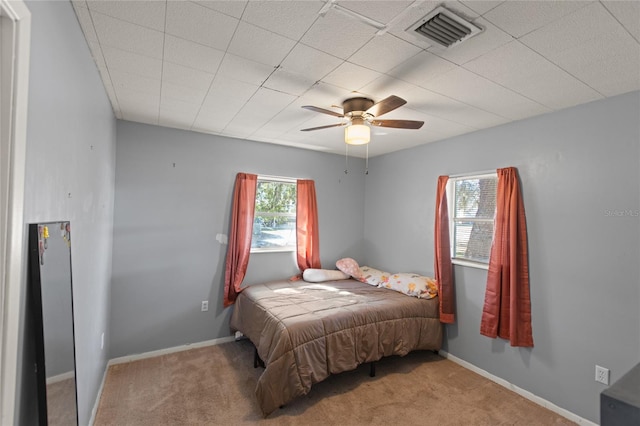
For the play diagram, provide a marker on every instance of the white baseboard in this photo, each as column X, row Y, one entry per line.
column 524, row 393
column 129, row 358
column 61, row 377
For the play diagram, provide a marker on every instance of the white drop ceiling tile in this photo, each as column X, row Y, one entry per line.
column 149, row 14
column 290, row 118
column 200, row 24
column 178, row 111
column 310, row 62
column 522, row 17
column 215, row 118
column 490, row 38
column 444, row 128
column 139, row 103
column 593, row 47
column 124, row 81
column 287, row 82
column 325, row 95
column 140, row 117
column 380, row 11
column 351, row 76
column 121, row 60
column 583, row 27
column 288, row 18
column 434, row 103
column 186, row 76
column 178, row 92
column 256, row 44
column 233, row 8
column 327, row 34
column 383, row 53
column 522, row 70
column 126, row 36
column 84, row 17
column 191, row 54
column 477, row 91
column 421, row 68
column 618, row 74
column 244, row 70
column 386, row 86
column 239, row 130
column 469, row 116
column 627, row 13
column 227, row 96
column 480, row 6
column 266, row 103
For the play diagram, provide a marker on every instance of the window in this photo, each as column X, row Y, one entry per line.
column 474, row 208
column 274, row 220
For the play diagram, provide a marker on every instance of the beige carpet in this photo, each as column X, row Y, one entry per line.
column 215, row 386
column 61, row 403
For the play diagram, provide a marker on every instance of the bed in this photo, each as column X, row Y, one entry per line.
column 304, row 332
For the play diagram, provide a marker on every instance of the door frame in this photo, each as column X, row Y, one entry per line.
column 15, row 27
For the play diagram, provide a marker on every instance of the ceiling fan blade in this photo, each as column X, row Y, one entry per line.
column 323, row 127
column 386, row 105
column 398, row 124
column 322, row 110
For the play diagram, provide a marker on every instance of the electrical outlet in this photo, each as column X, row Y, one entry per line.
column 205, row 305
column 602, row 375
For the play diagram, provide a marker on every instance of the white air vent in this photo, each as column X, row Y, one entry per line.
column 444, row 28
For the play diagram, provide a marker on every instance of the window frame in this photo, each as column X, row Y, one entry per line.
column 286, row 249
column 451, row 199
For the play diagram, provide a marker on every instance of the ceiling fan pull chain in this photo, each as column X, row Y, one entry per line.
column 366, row 164
column 346, row 159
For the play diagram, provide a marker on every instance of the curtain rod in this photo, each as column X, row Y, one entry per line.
column 279, row 178
column 484, row 172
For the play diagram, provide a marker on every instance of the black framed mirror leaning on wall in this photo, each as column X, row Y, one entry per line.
column 51, row 292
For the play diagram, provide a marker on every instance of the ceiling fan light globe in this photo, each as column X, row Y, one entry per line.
column 357, row 134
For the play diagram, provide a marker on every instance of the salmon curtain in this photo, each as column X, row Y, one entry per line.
column 307, row 231
column 443, row 268
column 507, row 303
column 244, row 201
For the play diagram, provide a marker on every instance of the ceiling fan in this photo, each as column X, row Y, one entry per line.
column 362, row 111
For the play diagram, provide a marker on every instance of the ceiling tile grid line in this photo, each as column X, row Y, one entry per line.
column 244, row 68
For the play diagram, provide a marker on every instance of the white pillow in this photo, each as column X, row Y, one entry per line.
column 320, row 275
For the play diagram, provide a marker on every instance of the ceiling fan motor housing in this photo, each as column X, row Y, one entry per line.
column 356, row 107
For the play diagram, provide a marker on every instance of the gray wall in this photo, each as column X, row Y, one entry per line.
column 70, row 175
column 577, row 167
column 173, row 195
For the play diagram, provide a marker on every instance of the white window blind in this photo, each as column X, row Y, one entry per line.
column 472, row 218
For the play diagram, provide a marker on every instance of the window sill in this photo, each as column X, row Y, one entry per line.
column 470, row 264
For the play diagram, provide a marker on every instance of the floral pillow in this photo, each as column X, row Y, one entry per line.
column 349, row 267
column 413, row 285
column 374, row 276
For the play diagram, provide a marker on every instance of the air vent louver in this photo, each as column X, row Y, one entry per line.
column 443, row 27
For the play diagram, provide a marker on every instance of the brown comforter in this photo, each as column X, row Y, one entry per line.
column 304, row 331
